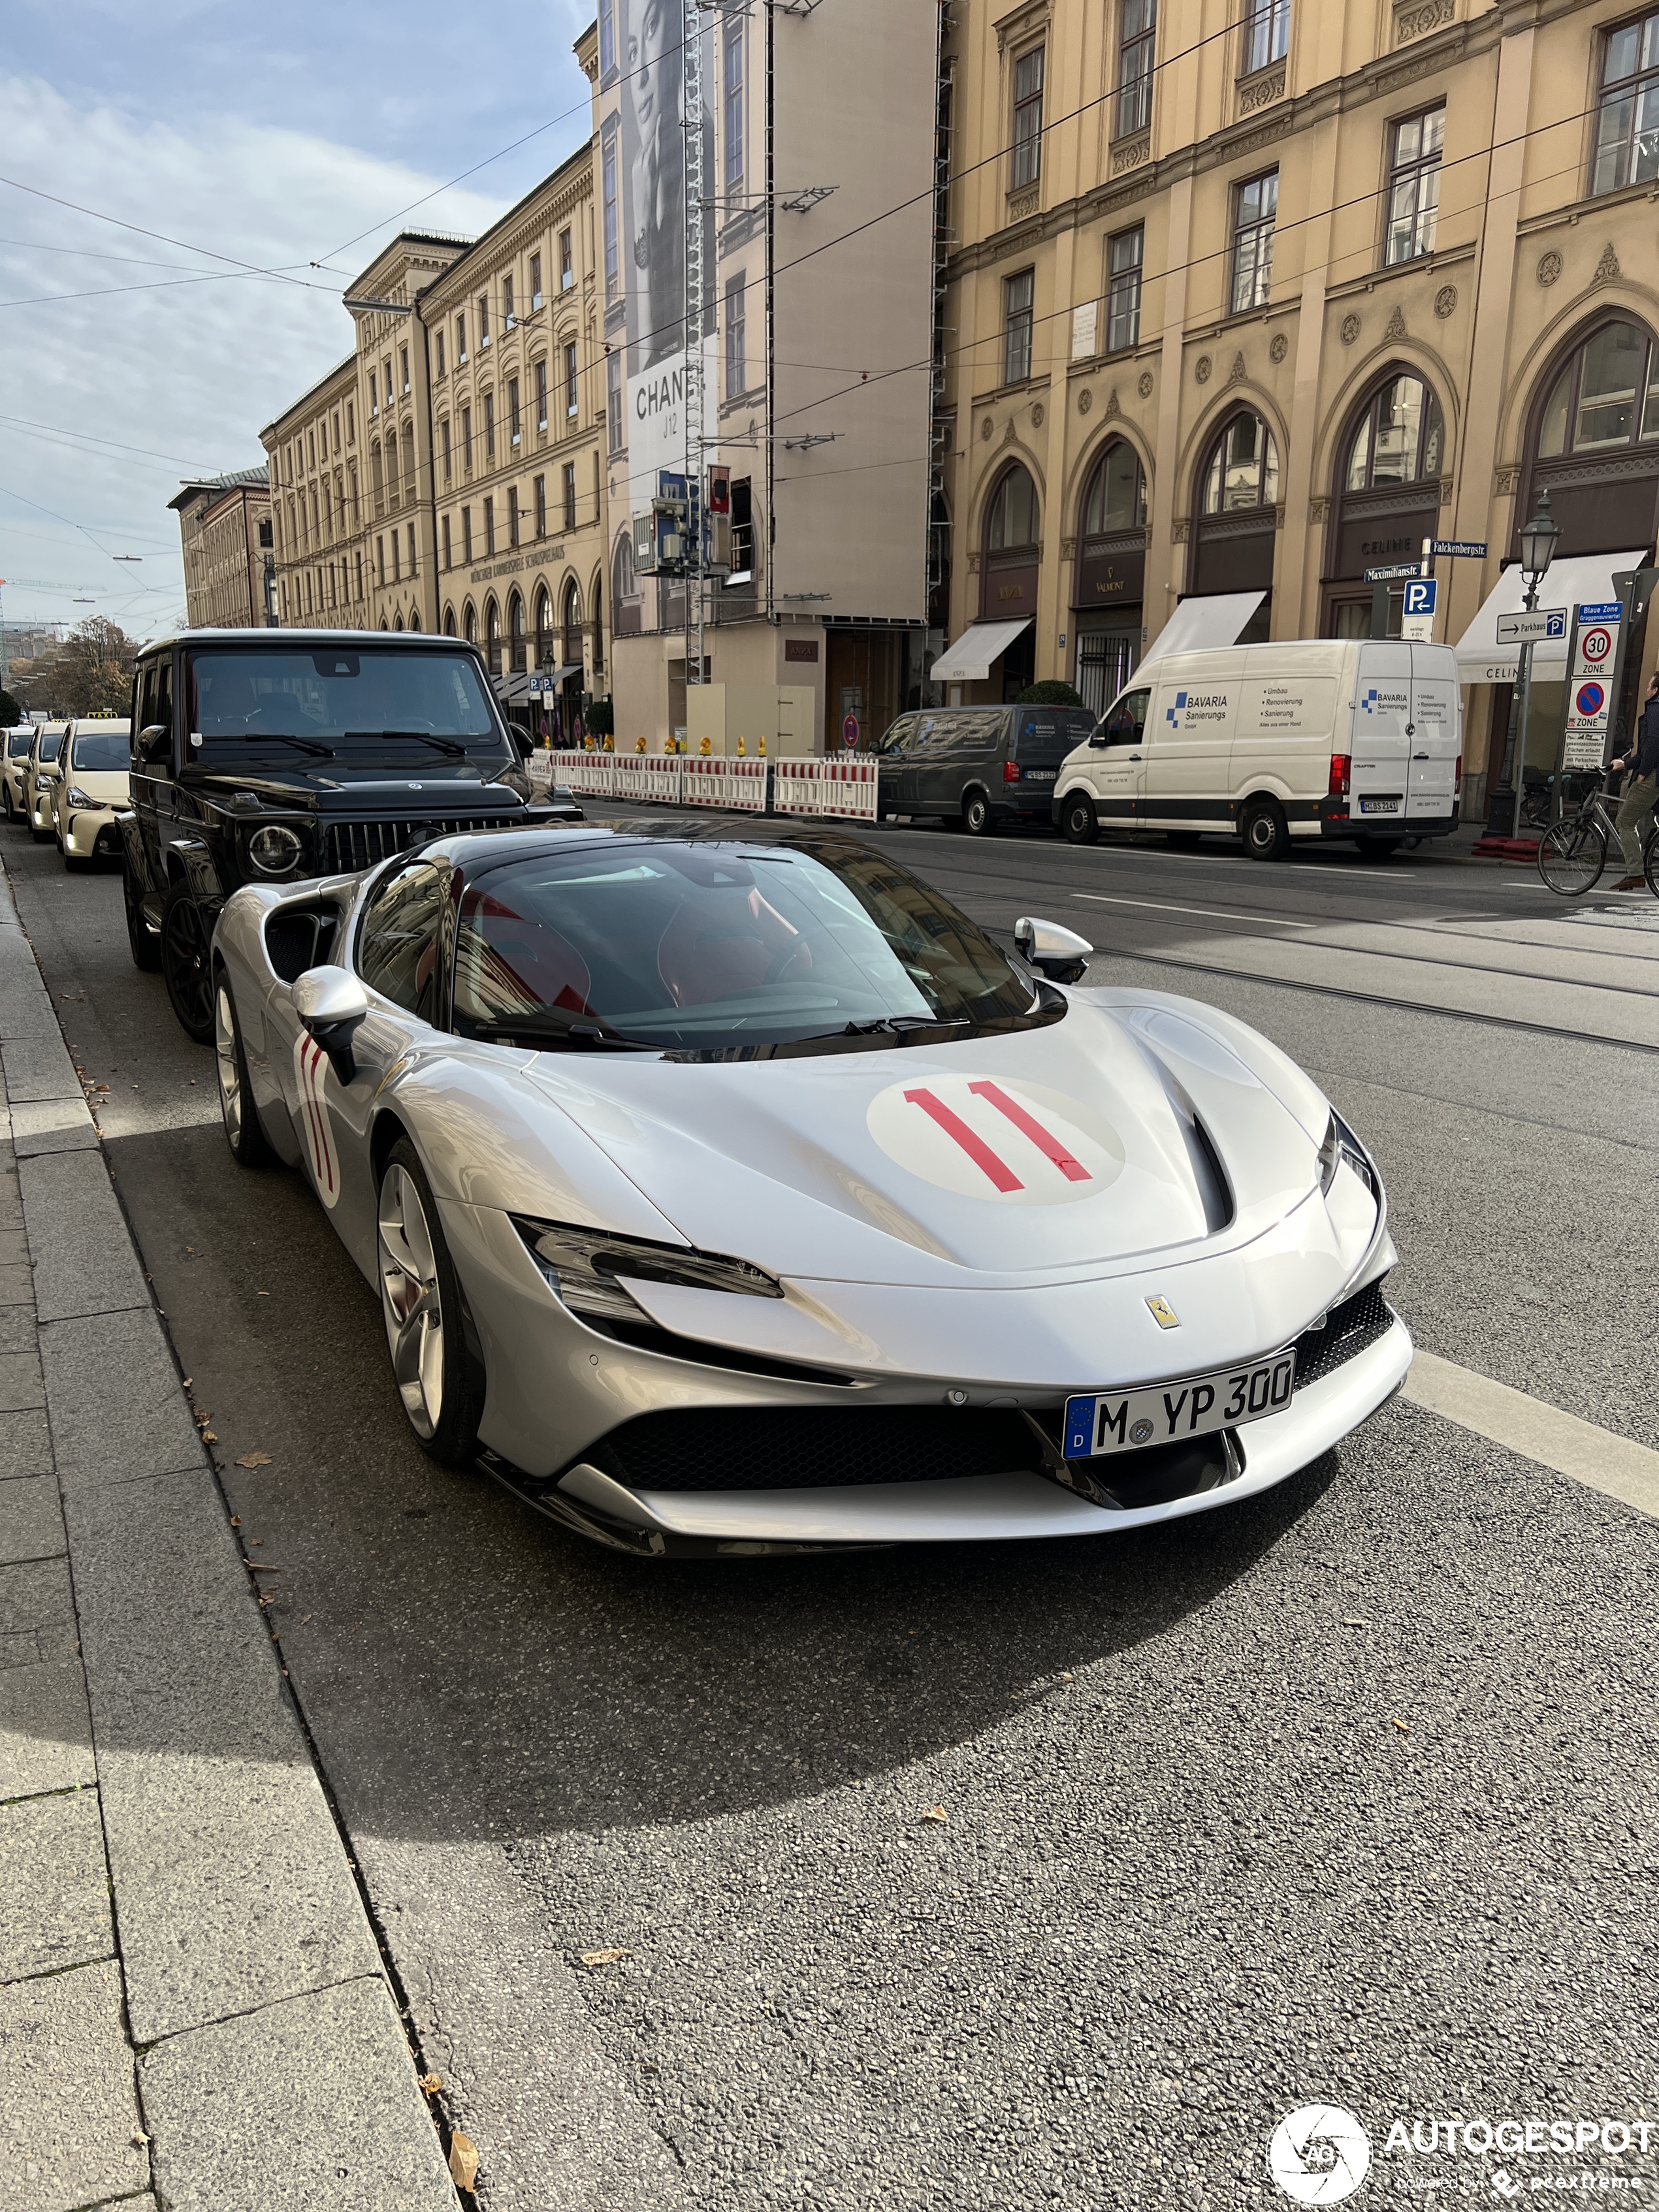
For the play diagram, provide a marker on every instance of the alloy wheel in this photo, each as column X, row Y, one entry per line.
column 185, row 964
column 230, row 1080
column 412, row 1301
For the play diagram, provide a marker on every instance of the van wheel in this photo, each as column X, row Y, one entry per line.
column 1184, row 841
column 976, row 818
column 1078, row 823
column 1267, row 837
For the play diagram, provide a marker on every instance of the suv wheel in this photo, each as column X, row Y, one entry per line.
column 1080, row 823
column 976, row 817
column 184, row 963
column 1266, row 835
column 146, row 952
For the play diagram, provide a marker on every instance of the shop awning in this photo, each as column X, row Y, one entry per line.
column 1212, row 619
column 513, row 689
column 968, row 660
column 1582, row 578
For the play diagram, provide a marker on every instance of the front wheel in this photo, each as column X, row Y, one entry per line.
column 421, row 1301
column 1266, row 834
column 185, row 968
column 1080, row 823
column 1572, row 855
column 249, row 1146
column 976, row 815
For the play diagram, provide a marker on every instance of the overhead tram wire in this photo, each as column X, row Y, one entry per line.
column 234, row 261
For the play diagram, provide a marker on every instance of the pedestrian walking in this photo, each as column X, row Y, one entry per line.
column 1641, row 766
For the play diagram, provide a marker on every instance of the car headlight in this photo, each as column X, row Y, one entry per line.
column 83, row 799
column 274, row 850
column 582, row 1267
column 1340, row 1143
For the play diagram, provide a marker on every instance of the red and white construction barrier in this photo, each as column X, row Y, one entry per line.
column 842, row 788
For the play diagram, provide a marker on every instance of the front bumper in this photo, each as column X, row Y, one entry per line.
column 92, row 830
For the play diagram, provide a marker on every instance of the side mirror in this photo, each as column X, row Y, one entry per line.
column 331, row 1005
column 523, row 743
column 154, row 741
column 1059, row 954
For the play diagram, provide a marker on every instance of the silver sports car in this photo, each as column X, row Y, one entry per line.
column 731, row 1196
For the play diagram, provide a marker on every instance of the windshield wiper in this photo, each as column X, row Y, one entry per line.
column 896, row 1024
column 283, row 737
column 581, row 1036
column 421, row 736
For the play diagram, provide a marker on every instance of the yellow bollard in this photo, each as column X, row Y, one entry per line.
column 638, row 744
column 760, row 749
column 740, row 751
column 704, row 748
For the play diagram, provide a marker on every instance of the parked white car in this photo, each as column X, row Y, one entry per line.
column 1334, row 737
column 14, row 767
column 89, row 790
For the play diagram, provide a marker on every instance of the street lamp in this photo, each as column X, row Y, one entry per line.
column 1538, row 542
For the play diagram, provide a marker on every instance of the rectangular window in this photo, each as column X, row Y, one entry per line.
column 570, row 382
column 444, row 446
column 460, row 339
column 403, row 364
column 607, row 37
column 1028, row 118
column 737, row 337
column 1123, row 259
column 514, row 424
column 615, row 422
column 483, row 320
column 380, row 562
column 310, row 441
column 535, row 282
column 397, row 560
column 608, row 193
column 1267, row 32
column 351, row 422
column 387, row 370
column 743, row 532
column 466, row 441
column 1017, row 297
column 412, row 570
column 1137, row 33
column 538, row 488
column 512, row 514
column 570, row 494
column 1254, row 205
column 359, row 577
column 1414, row 184
column 1627, row 117
column 566, row 262
column 734, row 155
column 447, row 562
column 489, row 527
column 438, row 341
column 541, row 395
column 490, row 425
column 507, row 317
column 373, row 396
column 336, row 429
column 466, row 537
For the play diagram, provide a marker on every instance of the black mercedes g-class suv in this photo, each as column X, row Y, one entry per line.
column 267, row 755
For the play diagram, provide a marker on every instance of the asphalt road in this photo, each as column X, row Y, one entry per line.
column 1347, row 1793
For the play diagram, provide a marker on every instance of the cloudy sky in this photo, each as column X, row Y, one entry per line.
column 276, row 137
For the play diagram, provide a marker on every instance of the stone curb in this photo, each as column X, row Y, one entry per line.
column 238, row 2001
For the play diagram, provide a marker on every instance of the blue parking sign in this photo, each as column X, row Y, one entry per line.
column 1420, row 596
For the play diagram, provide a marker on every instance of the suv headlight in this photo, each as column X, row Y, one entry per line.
column 275, row 849
column 582, row 1267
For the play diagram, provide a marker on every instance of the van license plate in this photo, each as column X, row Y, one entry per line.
column 1170, row 1413
column 1039, row 775
column 1379, row 806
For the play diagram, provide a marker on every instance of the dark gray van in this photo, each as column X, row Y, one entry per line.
column 980, row 766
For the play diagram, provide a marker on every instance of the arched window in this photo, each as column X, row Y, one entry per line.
column 493, row 636
column 516, row 632
column 599, row 626
column 1605, row 398
column 397, row 622
column 572, row 625
column 1114, row 498
column 469, row 623
column 1244, row 468
column 544, row 626
column 627, row 608
column 1010, row 519
column 1401, row 438
column 1234, row 529
column 449, row 622
column 414, row 621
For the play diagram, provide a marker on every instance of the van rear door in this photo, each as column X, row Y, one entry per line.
column 1436, row 740
column 1042, row 737
column 1380, row 745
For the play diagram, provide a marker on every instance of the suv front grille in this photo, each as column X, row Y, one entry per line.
column 349, row 845
column 1349, row 1329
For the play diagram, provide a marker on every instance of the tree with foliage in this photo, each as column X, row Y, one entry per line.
column 10, row 712
column 1049, row 693
column 96, row 668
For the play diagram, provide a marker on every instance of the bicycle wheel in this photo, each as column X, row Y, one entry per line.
column 1651, row 869
column 1573, row 854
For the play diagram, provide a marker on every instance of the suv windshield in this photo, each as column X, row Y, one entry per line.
column 102, row 752
column 717, row 948
column 342, row 701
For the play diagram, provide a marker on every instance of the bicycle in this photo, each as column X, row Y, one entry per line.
column 1573, row 853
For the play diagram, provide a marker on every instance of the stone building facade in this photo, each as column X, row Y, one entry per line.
column 1247, row 299
column 225, row 525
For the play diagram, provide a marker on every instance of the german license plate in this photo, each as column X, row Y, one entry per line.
column 1379, row 806
column 1039, row 775
column 1170, row 1413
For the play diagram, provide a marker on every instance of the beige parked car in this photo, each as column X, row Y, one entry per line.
column 14, row 766
column 39, row 769
column 91, row 786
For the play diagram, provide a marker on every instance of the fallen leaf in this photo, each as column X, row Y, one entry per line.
column 1404, row 1727
column 1065, row 1677
column 255, row 1459
column 140, row 2137
column 208, row 1436
column 432, row 2083
column 235, row 1522
column 936, row 1813
column 463, row 2161
column 605, row 1957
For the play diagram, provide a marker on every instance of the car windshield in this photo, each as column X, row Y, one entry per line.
column 52, row 746
column 717, row 948
column 100, row 752
column 18, row 743
column 343, row 702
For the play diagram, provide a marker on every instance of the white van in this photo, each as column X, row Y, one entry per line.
column 1340, row 737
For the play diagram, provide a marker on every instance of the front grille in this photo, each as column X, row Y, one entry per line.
column 1349, row 1329
column 787, row 1448
column 349, row 845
